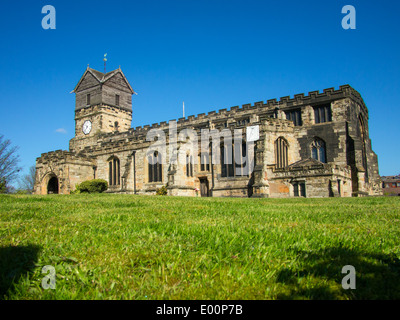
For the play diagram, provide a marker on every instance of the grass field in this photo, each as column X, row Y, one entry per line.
column 141, row 247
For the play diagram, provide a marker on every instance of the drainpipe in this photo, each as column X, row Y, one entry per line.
column 212, row 173
column 94, row 172
column 134, row 171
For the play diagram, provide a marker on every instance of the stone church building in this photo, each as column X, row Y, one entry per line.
column 314, row 145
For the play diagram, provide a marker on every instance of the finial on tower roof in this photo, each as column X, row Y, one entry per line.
column 105, row 60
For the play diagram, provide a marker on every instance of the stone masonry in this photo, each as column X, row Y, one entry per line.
column 314, row 145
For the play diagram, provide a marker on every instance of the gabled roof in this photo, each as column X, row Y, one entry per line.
column 102, row 77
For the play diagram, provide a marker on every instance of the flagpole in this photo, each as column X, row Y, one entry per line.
column 183, row 108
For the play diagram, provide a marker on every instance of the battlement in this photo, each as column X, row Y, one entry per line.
column 56, row 153
column 60, row 155
column 312, row 98
column 263, row 109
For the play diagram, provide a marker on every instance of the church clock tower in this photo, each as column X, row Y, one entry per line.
column 103, row 104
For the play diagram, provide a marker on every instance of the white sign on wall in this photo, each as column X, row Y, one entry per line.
column 252, row 133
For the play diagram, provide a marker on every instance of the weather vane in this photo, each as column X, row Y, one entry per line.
column 105, row 60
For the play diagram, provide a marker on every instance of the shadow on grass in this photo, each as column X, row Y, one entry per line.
column 377, row 275
column 15, row 261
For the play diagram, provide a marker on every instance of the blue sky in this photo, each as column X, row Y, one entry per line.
column 210, row 54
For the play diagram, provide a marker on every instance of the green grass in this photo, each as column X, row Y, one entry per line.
column 141, row 247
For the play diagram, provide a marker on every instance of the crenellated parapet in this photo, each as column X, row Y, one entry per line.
column 260, row 107
column 264, row 110
column 62, row 156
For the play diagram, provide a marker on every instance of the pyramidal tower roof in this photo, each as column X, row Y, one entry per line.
column 102, row 77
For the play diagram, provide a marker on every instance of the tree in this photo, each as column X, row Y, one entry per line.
column 3, row 188
column 9, row 160
column 27, row 182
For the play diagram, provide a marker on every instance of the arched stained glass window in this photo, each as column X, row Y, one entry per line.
column 318, row 150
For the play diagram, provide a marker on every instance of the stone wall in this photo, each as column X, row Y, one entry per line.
column 344, row 174
column 68, row 168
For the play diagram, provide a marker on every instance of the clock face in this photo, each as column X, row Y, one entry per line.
column 253, row 133
column 87, row 127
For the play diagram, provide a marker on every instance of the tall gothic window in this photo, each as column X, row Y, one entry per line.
column 189, row 165
column 205, row 159
column 155, row 167
column 234, row 160
column 205, row 162
column 240, row 156
column 227, row 161
column 113, row 172
column 318, row 150
column 363, row 146
column 281, row 153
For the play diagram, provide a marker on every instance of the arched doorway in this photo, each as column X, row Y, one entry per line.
column 52, row 186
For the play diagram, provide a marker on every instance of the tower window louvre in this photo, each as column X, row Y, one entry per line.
column 295, row 116
column 323, row 113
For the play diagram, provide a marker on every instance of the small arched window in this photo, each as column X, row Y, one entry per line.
column 113, row 172
column 281, row 153
column 318, row 150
